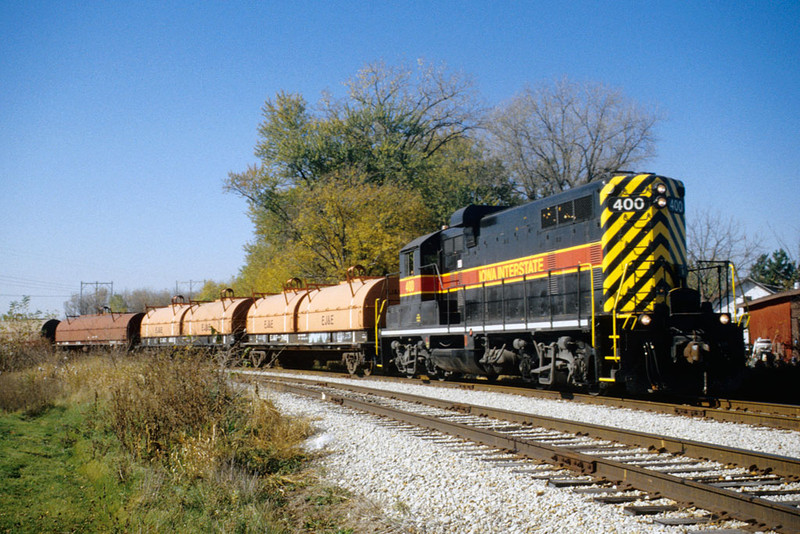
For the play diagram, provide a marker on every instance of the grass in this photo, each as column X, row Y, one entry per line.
column 57, row 475
column 152, row 443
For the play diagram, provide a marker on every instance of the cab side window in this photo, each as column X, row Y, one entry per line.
column 408, row 263
column 453, row 248
column 567, row 212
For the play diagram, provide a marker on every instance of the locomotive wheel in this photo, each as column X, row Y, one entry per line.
column 599, row 389
column 448, row 375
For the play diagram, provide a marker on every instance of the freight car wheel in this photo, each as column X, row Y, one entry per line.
column 367, row 368
column 354, row 361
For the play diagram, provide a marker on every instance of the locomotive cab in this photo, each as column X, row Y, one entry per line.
column 419, row 272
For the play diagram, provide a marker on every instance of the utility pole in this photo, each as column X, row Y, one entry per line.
column 191, row 284
column 97, row 286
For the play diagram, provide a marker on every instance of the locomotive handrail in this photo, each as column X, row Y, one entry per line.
column 441, row 288
column 591, row 292
column 723, row 293
column 614, row 335
column 378, row 312
column 436, row 272
column 733, row 287
column 742, row 320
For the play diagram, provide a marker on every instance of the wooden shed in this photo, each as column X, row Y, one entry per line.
column 777, row 318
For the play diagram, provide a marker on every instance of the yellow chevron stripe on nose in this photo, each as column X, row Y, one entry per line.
column 650, row 242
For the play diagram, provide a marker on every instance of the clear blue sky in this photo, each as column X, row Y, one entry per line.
column 119, row 121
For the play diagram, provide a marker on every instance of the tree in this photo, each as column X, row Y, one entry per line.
column 137, row 300
column 464, row 173
column 393, row 120
column 88, row 303
column 713, row 238
column 132, row 301
column 348, row 220
column 557, row 136
column 777, row 271
column 341, row 221
column 402, row 117
column 19, row 311
column 213, row 291
column 338, row 183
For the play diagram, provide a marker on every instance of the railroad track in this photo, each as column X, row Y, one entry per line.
column 781, row 416
column 616, row 465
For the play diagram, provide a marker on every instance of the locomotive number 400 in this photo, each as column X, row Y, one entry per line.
column 628, row 204
column 623, row 204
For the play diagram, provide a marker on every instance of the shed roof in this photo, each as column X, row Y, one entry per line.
column 792, row 294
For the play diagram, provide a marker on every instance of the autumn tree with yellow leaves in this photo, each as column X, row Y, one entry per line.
column 351, row 181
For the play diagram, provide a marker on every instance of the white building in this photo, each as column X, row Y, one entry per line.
column 746, row 291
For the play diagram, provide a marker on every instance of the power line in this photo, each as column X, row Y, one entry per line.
column 34, row 296
column 19, row 281
column 97, row 286
column 190, row 284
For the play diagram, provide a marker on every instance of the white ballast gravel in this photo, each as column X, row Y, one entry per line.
column 768, row 440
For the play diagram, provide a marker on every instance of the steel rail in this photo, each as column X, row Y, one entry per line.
column 788, row 410
column 732, row 504
column 783, row 416
column 781, row 465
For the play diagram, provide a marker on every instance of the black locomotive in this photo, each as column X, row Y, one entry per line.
column 586, row 288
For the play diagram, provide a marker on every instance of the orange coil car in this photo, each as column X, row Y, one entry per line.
column 164, row 326
column 272, row 318
column 344, row 312
column 218, row 323
column 305, row 324
column 107, row 329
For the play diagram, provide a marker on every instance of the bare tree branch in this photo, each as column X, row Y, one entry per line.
column 556, row 137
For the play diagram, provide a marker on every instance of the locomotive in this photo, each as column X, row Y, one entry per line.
column 585, row 289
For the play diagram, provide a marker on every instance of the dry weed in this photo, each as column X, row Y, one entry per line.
column 32, row 390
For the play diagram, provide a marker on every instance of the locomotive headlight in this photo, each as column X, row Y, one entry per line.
column 661, row 202
column 724, row 318
column 661, row 189
column 645, row 320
